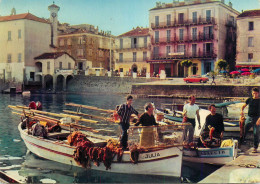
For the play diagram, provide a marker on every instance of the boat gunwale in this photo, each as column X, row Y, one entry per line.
column 61, row 143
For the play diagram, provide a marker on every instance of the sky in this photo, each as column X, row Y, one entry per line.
column 117, row 16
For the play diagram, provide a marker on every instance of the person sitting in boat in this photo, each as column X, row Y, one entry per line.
column 39, row 105
column 32, row 105
column 214, row 128
column 147, row 119
column 35, row 106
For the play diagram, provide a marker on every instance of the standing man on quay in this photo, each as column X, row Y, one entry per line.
column 125, row 111
column 253, row 119
column 190, row 110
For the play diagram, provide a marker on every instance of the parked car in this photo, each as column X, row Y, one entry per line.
column 196, row 78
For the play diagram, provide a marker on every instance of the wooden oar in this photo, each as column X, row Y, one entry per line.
column 88, row 115
column 52, row 120
column 78, row 118
column 36, row 117
column 89, row 107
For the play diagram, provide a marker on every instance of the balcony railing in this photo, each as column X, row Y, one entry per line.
column 185, row 55
column 231, row 24
column 135, row 47
column 199, row 21
column 190, row 38
column 131, row 60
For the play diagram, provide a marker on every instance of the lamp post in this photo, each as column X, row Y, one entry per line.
column 110, row 64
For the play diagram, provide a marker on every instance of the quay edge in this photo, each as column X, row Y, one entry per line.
column 244, row 169
column 200, row 91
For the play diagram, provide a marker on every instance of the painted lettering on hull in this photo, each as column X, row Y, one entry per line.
column 214, row 153
column 152, row 155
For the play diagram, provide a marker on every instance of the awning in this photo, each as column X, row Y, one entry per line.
column 247, row 66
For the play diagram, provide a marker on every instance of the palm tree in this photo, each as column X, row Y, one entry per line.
column 186, row 63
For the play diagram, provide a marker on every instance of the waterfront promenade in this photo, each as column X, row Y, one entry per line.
column 244, row 169
column 176, row 88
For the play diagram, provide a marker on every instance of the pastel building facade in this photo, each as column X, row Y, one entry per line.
column 196, row 30
column 248, row 39
column 132, row 52
column 22, row 37
column 92, row 50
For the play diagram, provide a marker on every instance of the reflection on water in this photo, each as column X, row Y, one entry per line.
column 35, row 169
column 31, row 169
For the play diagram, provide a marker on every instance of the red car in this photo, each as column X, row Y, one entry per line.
column 196, row 78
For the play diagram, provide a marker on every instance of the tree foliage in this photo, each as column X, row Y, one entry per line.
column 186, row 63
column 222, row 64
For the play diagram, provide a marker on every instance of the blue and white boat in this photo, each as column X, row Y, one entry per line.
column 216, row 156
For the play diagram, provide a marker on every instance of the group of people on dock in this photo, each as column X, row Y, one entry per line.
column 214, row 126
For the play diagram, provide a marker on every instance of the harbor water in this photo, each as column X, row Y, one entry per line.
column 24, row 166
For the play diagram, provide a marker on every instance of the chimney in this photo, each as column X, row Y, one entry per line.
column 230, row 4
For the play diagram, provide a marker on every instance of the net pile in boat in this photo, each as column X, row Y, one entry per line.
column 86, row 151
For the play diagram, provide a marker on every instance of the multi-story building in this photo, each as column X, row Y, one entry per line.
column 88, row 46
column 248, row 39
column 132, row 52
column 22, row 37
column 198, row 30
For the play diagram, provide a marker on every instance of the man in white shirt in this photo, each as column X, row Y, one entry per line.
column 190, row 110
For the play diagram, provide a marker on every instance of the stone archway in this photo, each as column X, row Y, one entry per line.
column 59, row 82
column 48, row 82
column 68, row 80
column 180, row 70
column 134, row 68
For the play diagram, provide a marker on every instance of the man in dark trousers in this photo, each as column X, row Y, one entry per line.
column 253, row 119
column 125, row 111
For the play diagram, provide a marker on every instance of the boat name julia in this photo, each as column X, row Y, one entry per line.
column 152, row 155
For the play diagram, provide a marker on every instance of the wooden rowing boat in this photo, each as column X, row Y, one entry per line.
column 164, row 158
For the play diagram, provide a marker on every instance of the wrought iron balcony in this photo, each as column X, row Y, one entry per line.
column 175, row 23
column 132, row 60
column 184, row 55
column 187, row 38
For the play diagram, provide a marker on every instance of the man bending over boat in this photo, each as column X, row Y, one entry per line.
column 125, row 111
column 190, row 111
column 214, row 123
column 147, row 119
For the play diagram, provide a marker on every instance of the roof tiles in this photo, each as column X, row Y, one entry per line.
column 51, row 55
column 250, row 13
column 27, row 16
column 137, row 32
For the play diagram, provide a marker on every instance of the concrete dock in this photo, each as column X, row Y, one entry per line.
column 244, row 169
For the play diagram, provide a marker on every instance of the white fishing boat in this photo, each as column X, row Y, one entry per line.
column 163, row 158
column 218, row 155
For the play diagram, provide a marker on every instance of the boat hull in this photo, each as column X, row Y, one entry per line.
column 217, row 156
column 167, row 161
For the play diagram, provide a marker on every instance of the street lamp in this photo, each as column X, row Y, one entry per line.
column 109, row 34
